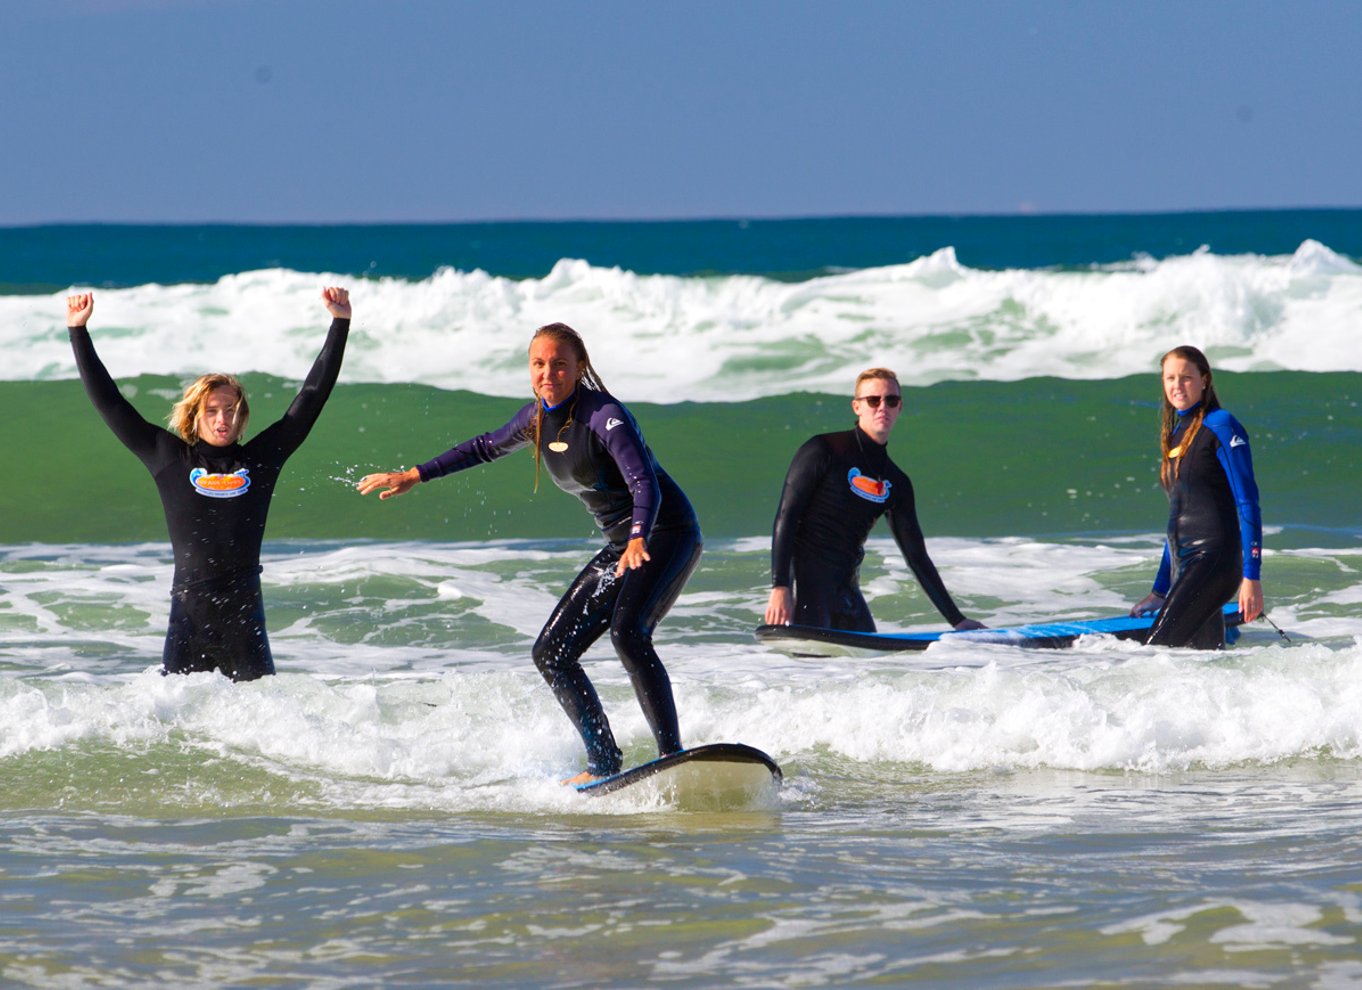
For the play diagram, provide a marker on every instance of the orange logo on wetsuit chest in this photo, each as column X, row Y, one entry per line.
column 868, row 488
column 220, row 485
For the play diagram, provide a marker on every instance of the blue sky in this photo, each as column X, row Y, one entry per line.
column 435, row 110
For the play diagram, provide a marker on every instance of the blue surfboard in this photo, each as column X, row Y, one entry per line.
column 717, row 776
column 813, row 641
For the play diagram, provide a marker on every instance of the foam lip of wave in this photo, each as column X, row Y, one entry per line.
column 669, row 338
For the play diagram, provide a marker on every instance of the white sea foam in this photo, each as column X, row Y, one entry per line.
column 670, row 338
column 391, row 689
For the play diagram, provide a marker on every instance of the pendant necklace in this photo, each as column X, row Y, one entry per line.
column 558, row 445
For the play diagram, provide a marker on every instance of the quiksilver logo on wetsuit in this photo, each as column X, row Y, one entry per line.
column 220, row 485
column 868, row 488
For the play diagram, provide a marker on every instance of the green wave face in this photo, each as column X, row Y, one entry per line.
column 1041, row 457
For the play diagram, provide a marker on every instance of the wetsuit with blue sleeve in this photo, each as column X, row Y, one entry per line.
column 216, row 500
column 1215, row 532
column 837, row 486
column 593, row 448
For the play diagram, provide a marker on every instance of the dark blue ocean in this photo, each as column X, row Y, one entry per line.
column 53, row 257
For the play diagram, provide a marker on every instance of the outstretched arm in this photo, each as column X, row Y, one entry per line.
column 639, row 472
column 392, row 483
column 127, row 423
column 479, row 450
column 1236, row 458
column 293, row 428
column 801, row 479
column 908, row 535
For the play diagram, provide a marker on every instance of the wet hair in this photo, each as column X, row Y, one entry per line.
column 872, row 373
column 563, row 334
column 1169, row 467
column 184, row 415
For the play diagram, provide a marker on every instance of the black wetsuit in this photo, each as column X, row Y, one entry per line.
column 1215, row 534
column 837, row 486
column 593, row 449
column 216, row 500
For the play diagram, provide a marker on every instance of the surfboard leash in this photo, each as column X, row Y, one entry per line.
column 1277, row 627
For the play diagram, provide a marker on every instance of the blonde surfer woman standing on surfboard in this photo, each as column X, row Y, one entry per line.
column 592, row 448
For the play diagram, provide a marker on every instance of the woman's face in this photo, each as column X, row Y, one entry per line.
column 554, row 369
column 217, row 417
column 1183, row 383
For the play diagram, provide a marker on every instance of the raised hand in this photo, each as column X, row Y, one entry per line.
column 78, row 308
column 337, row 301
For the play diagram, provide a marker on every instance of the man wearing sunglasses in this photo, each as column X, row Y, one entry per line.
column 838, row 485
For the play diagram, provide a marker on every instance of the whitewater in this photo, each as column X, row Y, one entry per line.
column 670, row 338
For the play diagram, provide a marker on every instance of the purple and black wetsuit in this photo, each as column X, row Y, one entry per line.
column 1215, row 534
column 216, row 500
column 593, row 449
column 838, row 485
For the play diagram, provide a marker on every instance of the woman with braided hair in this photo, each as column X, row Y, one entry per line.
column 1215, row 530
column 592, row 448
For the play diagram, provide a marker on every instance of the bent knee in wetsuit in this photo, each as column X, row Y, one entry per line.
column 557, row 657
column 648, row 594
column 645, row 597
column 579, row 619
column 652, row 685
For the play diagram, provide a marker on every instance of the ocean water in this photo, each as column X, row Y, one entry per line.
column 386, row 811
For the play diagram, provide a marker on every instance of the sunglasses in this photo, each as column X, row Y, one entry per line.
column 892, row 401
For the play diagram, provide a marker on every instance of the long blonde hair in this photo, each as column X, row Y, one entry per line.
column 1170, row 462
column 184, row 415
column 563, row 334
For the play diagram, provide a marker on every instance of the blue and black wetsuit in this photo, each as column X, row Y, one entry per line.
column 216, row 500
column 838, row 485
column 1215, row 533
column 593, row 449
